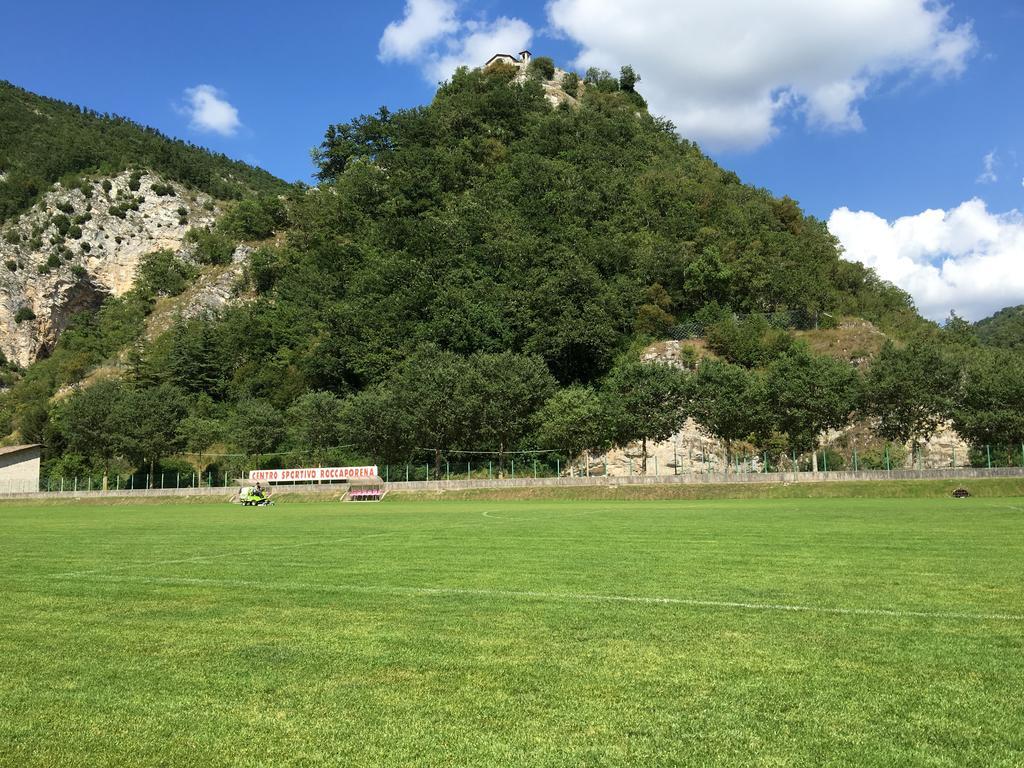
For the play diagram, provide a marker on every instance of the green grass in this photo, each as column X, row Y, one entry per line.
column 543, row 633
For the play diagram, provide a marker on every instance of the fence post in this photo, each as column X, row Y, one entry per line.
column 62, row 483
column 534, row 469
column 76, row 483
column 428, row 471
column 407, row 472
column 558, row 467
column 888, row 468
column 387, row 467
column 177, row 480
column 824, row 459
column 132, row 481
column 988, row 450
column 513, row 463
column 489, row 468
column 655, row 466
column 631, row 467
column 469, row 470
column 954, row 457
column 117, row 486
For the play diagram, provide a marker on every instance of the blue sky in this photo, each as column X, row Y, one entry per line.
column 878, row 120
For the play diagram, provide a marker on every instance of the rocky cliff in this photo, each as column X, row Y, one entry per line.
column 80, row 244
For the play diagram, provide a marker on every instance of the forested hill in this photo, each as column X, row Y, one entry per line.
column 43, row 140
column 481, row 273
column 1003, row 329
column 490, row 221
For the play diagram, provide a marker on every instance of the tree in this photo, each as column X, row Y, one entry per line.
column 809, row 394
column 988, row 405
column 506, row 391
column 543, row 67
column 628, row 79
column 197, row 433
column 574, row 420
column 87, row 422
column 909, row 392
column 314, row 423
column 728, row 401
column 256, row 427
column 646, row 401
column 147, row 421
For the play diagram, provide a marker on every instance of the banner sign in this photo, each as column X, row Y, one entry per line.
column 312, row 473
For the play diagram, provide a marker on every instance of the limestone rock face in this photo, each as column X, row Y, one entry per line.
column 79, row 245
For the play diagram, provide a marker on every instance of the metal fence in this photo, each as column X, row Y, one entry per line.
column 698, row 458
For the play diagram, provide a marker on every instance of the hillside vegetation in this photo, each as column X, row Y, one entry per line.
column 480, row 274
column 43, row 140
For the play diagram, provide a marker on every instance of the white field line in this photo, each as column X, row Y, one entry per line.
column 575, row 597
column 202, row 558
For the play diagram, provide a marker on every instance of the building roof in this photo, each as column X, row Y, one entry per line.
column 17, row 448
column 501, row 56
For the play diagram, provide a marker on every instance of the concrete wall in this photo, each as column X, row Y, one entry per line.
column 19, row 472
column 708, row 479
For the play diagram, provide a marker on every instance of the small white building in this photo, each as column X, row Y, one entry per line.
column 508, row 58
column 19, row 469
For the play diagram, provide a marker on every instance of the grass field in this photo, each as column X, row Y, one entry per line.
column 503, row 633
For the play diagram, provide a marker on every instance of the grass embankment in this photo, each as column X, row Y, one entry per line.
column 541, row 633
column 881, row 489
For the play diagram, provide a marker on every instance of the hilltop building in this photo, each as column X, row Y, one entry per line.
column 507, row 58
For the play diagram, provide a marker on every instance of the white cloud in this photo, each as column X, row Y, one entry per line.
column 988, row 175
column 208, row 110
column 432, row 36
column 425, row 22
column 725, row 71
column 966, row 258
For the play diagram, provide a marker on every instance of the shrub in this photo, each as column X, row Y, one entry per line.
column 53, row 261
column 161, row 189
column 571, row 84
column 65, row 206
column 118, row 211
column 82, row 218
column 36, row 243
column 163, row 274
column 182, row 210
column 135, row 181
column 78, row 271
column 86, row 247
column 12, row 236
column 23, row 314
column 43, row 269
column 212, row 247
column 61, row 223
column 74, row 232
column 12, row 265
column 107, row 186
column 255, row 218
